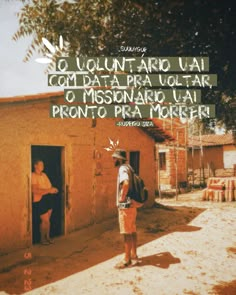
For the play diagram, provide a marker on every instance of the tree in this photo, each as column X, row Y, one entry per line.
column 165, row 28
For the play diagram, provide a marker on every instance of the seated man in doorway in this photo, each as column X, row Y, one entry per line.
column 43, row 200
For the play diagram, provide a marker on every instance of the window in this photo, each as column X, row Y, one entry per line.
column 162, row 161
column 134, row 161
column 229, row 159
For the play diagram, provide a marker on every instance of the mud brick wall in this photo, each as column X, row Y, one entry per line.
column 175, row 155
column 212, row 162
column 212, row 155
column 89, row 169
column 181, row 166
column 198, row 175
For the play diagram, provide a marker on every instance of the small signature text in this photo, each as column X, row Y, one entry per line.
column 135, row 124
column 133, row 49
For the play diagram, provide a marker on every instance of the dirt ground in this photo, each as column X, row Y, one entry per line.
column 185, row 247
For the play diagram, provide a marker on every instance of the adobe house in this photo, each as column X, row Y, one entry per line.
column 75, row 161
column 172, row 156
column 211, row 155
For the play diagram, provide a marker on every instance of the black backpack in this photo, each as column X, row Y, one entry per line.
column 137, row 190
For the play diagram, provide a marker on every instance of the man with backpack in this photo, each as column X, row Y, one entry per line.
column 127, row 209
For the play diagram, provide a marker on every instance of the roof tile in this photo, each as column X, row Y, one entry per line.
column 211, row 140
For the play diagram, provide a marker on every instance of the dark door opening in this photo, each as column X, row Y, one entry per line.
column 52, row 156
column 134, row 159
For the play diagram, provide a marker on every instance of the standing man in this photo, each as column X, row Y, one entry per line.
column 126, row 210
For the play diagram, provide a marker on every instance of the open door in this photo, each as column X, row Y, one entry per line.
column 134, row 159
column 53, row 158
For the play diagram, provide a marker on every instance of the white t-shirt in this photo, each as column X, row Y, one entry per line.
column 42, row 182
column 123, row 174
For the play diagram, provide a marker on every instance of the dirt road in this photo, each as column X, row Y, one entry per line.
column 187, row 247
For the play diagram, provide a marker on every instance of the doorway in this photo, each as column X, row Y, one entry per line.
column 134, row 159
column 53, row 158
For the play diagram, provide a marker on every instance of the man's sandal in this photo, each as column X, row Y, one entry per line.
column 44, row 243
column 135, row 260
column 50, row 241
column 123, row 264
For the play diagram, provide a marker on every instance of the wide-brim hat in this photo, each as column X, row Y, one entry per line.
column 119, row 154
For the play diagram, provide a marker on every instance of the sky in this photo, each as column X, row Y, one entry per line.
column 18, row 77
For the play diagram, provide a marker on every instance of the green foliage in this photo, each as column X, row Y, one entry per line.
column 83, row 25
column 165, row 28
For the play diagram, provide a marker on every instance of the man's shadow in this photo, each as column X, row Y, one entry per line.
column 162, row 260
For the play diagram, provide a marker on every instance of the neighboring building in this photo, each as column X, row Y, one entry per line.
column 172, row 155
column 75, row 161
column 211, row 155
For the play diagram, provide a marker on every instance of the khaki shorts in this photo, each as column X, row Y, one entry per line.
column 127, row 220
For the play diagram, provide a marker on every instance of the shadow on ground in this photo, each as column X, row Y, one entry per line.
column 53, row 264
column 225, row 288
column 162, row 260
